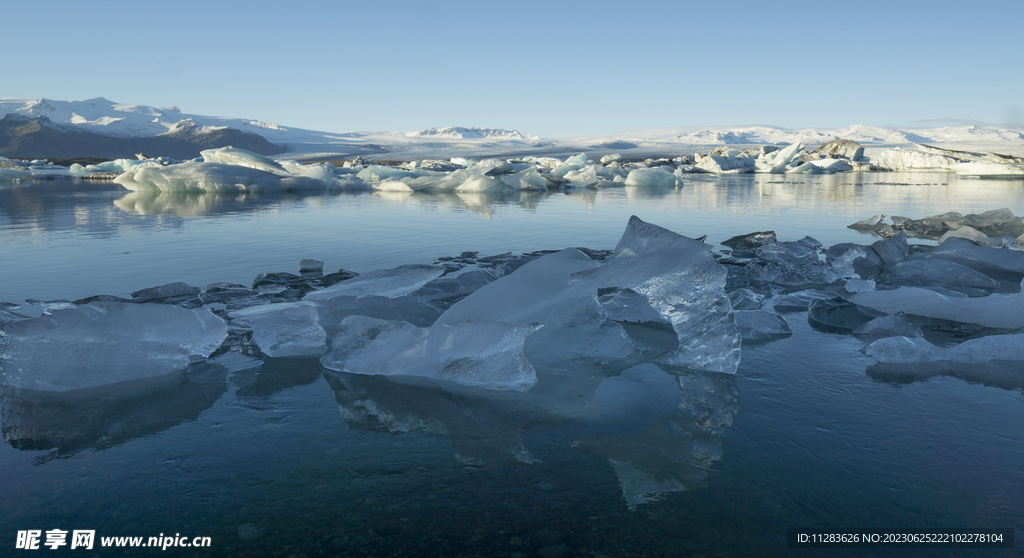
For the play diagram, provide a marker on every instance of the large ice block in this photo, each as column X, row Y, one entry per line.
column 999, row 311
column 683, row 283
column 541, row 292
column 100, row 343
column 484, row 354
column 285, row 329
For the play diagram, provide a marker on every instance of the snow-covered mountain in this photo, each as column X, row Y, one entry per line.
column 474, row 133
column 127, row 121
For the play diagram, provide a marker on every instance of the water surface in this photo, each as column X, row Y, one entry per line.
column 284, row 458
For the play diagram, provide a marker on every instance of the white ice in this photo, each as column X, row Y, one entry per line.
column 651, row 178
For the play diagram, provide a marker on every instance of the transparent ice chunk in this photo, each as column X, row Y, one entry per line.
column 285, row 329
column 388, row 283
column 892, row 325
column 683, row 283
column 484, row 354
column 540, row 292
column 838, row 315
column 746, row 299
column 761, row 325
column 105, row 342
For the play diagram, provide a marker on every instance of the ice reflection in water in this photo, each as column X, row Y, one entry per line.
column 67, row 422
column 660, row 430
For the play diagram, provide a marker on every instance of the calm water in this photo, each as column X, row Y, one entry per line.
column 284, row 459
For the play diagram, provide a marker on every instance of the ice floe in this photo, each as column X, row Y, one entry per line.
column 79, row 346
column 484, row 354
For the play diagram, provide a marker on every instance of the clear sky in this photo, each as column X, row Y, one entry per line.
column 548, row 68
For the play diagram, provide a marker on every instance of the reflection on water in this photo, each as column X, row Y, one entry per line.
column 999, row 374
column 595, row 460
column 200, row 203
column 660, row 431
column 101, row 417
column 66, row 239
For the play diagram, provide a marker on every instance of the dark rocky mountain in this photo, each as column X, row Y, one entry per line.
column 39, row 138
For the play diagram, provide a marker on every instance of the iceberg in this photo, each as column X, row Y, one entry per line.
column 193, row 175
column 651, row 178
column 988, row 169
column 529, row 179
column 779, row 161
column 483, row 354
column 74, row 347
column 242, row 158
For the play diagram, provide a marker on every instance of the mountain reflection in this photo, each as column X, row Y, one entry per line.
column 660, row 430
column 105, row 416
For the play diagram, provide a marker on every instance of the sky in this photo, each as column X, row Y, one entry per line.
column 546, row 68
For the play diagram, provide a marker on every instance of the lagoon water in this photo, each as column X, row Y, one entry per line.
column 284, row 458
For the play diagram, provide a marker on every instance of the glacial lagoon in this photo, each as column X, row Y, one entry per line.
column 281, row 457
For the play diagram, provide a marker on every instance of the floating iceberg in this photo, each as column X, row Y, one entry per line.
column 234, row 170
column 76, row 347
column 989, row 169
column 488, row 355
column 651, row 178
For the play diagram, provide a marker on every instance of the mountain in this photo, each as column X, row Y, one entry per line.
column 42, row 128
column 47, row 128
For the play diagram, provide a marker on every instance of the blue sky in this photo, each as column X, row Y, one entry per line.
column 545, row 68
